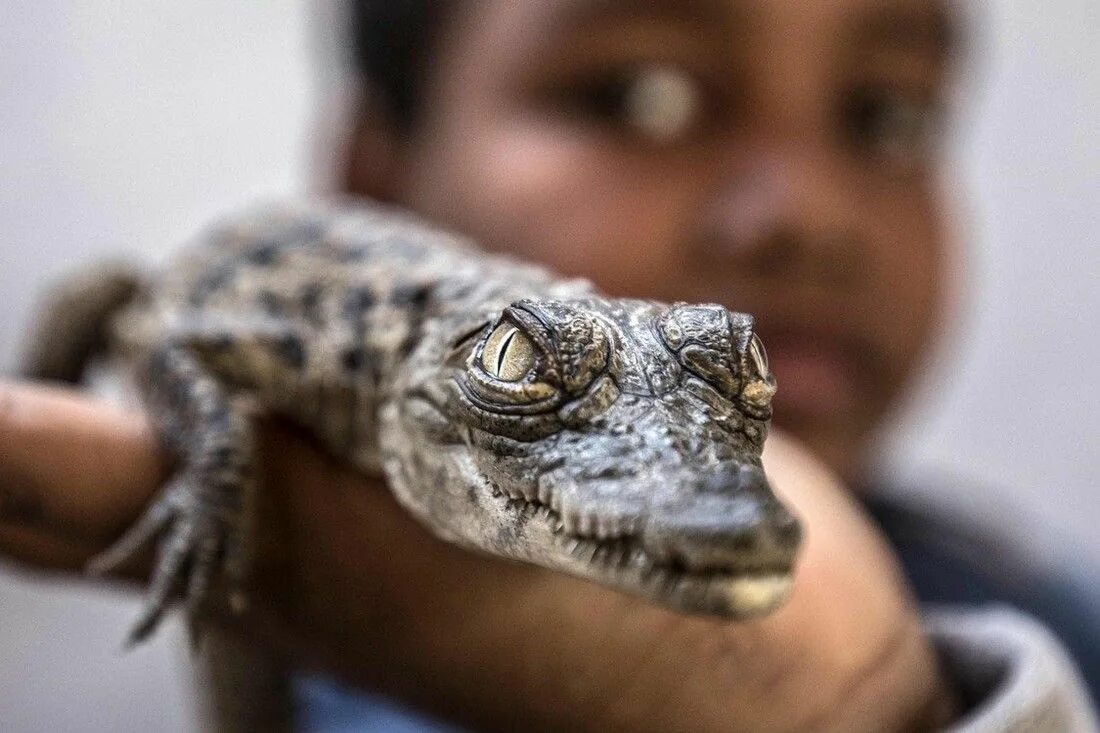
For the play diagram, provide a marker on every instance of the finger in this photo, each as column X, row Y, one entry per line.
column 43, row 549
column 71, row 465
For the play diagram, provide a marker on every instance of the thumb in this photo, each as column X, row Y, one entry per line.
column 73, row 473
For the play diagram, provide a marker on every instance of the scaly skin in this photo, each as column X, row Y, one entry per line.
column 511, row 411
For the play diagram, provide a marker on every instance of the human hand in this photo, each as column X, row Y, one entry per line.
column 347, row 581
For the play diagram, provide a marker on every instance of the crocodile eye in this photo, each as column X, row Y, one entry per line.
column 508, row 354
column 759, row 355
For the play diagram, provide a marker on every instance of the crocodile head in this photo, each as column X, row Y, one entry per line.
column 617, row 440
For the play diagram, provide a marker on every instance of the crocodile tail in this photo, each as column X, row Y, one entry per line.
column 73, row 324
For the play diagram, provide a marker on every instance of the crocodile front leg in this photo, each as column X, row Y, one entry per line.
column 199, row 518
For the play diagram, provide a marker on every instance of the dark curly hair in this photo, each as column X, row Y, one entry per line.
column 392, row 42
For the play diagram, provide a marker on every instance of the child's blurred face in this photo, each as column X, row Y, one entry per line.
column 775, row 156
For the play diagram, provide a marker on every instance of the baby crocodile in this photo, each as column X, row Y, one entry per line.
column 510, row 410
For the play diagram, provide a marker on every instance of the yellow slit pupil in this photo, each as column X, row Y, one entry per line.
column 508, row 354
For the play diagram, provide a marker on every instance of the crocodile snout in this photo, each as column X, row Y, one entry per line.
column 731, row 522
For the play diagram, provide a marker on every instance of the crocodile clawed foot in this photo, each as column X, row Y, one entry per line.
column 192, row 536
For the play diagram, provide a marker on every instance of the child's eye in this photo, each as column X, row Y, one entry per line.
column 660, row 102
column 893, row 127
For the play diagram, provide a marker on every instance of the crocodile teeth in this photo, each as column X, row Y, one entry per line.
column 598, row 526
column 545, row 493
column 639, row 557
column 612, row 527
column 584, row 525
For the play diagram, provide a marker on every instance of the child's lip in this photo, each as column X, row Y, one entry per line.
column 814, row 374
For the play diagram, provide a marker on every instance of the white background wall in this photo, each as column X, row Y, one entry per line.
column 125, row 125
column 1013, row 400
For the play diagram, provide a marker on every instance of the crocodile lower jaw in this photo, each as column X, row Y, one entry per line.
column 738, row 593
column 749, row 596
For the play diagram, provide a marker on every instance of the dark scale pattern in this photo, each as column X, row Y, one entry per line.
column 270, row 304
column 263, row 255
column 357, row 302
column 291, row 350
column 410, row 294
column 211, row 283
column 310, row 298
column 353, row 360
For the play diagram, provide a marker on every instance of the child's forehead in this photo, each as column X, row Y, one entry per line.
column 931, row 25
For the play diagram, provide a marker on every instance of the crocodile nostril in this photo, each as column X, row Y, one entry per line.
column 787, row 529
column 735, row 477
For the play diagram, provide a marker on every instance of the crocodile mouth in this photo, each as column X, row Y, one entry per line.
column 745, row 590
